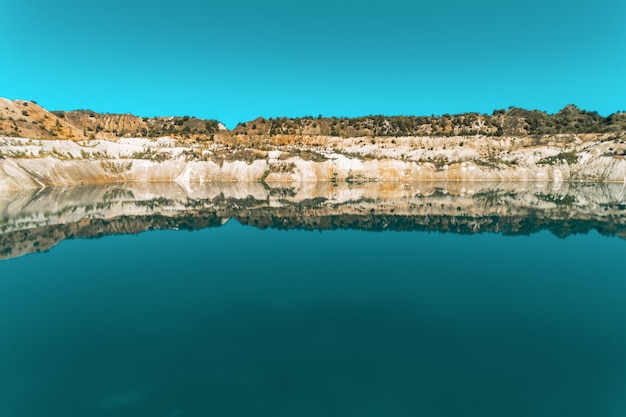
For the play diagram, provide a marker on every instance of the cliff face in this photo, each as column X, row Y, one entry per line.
column 82, row 147
column 37, row 163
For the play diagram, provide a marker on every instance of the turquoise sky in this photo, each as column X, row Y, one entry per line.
column 239, row 59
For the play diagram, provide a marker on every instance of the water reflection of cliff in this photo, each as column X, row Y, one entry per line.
column 36, row 220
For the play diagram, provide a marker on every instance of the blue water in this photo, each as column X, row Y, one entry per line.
column 237, row 321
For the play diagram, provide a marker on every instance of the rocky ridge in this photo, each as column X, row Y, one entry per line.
column 39, row 148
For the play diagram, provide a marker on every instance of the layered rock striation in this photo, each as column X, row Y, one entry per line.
column 42, row 149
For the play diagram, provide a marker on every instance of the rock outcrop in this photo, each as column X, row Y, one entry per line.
column 27, row 163
column 42, row 149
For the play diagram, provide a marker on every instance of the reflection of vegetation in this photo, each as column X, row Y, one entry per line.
column 283, row 193
column 313, row 202
column 118, row 194
column 566, row 200
column 435, row 208
column 494, row 196
column 152, row 204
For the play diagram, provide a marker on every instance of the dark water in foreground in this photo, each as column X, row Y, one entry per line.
column 237, row 321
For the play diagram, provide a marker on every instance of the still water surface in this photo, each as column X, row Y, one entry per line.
column 241, row 321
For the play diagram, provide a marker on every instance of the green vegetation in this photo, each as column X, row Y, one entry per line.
column 567, row 200
column 269, row 133
column 116, row 167
column 570, row 157
column 151, row 155
column 282, row 167
column 513, row 122
column 186, row 127
column 304, row 154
